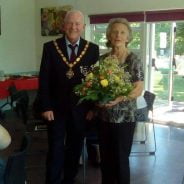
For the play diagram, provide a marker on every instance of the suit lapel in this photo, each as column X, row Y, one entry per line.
column 81, row 46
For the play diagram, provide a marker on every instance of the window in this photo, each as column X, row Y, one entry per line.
column 98, row 36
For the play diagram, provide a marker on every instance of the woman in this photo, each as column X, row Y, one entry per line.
column 117, row 119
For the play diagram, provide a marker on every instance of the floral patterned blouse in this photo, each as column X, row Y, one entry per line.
column 125, row 111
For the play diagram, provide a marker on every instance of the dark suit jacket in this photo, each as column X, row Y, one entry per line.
column 55, row 89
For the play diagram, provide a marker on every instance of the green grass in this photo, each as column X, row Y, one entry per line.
column 161, row 86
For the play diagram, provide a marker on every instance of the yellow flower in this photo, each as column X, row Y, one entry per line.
column 104, row 82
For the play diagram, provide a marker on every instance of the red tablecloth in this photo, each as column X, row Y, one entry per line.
column 28, row 83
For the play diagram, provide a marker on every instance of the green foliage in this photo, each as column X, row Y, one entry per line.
column 100, row 36
column 179, row 44
column 136, row 42
column 105, row 82
column 161, row 86
column 162, row 27
column 179, row 39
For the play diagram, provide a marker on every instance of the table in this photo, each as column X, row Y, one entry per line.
column 22, row 83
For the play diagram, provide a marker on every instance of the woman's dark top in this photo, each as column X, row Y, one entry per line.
column 125, row 111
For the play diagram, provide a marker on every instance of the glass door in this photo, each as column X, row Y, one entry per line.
column 161, row 60
column 166, row 60
column 178, row 63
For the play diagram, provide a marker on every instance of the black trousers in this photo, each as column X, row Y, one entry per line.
column 115, row 147
column 65, row 140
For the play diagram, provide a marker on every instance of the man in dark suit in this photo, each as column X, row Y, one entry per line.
column 60, row 71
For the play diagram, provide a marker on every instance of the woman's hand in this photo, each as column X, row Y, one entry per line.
column 113, row 102
column 48, row 115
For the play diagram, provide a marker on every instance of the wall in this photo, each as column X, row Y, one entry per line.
column 41, row 39
column 114, row 6
column 98, row 7
column 17, row 39
column 21, row 41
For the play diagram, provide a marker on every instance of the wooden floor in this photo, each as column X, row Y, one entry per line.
column 165, row 167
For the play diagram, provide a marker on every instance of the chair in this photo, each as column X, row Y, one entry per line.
column 85, row 157
column 17, row 96
column 31, row 119
column 90, row 140
column 2, row 115
column 142, row 117
column 33, row 123
column 13, row 170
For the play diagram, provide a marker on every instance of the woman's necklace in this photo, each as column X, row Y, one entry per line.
column 70, row 72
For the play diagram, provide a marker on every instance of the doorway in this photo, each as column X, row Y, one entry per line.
column 166, row 68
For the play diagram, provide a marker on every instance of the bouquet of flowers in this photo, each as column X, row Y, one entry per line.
column 105, row 82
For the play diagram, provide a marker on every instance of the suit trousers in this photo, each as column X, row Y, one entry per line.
column 115, row 147
column 65, row 140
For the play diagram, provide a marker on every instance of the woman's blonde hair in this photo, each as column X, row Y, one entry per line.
column 110, row 25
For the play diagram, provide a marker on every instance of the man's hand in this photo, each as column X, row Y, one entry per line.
column 48, row 115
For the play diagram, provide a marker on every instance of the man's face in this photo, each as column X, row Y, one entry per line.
column 74, row 26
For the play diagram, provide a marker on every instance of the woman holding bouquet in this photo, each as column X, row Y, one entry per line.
column 117, row 120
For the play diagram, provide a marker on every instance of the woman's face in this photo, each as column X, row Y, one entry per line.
column 119, row 35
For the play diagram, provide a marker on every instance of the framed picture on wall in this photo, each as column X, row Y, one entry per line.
column 52, row 20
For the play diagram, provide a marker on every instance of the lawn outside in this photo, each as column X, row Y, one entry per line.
column 161, row 85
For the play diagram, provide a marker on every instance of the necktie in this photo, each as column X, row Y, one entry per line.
column 73, row 55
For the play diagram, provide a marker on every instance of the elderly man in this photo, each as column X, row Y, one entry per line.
column 64, row 64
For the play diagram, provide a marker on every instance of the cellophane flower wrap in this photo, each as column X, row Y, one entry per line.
column 105, row 82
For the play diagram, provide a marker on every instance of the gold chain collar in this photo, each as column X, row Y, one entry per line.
column 70, row 72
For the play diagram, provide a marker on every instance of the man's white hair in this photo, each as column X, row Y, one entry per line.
column 74, row 12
